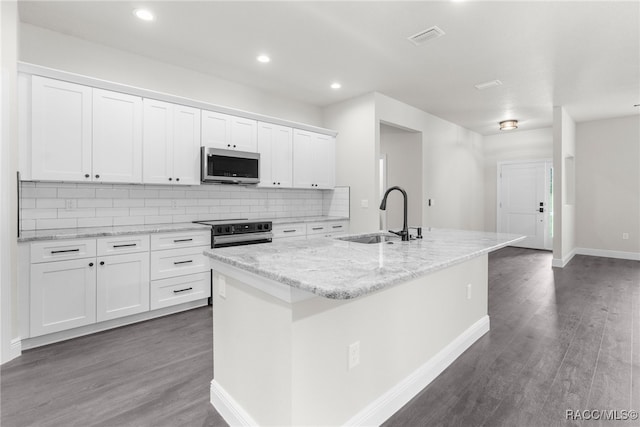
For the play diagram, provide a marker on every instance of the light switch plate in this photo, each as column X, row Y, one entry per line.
column 364, row 203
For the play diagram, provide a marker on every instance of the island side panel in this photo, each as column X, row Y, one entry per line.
column 398, row 329
column 252, row 350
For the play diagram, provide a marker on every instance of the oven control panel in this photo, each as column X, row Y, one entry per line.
column 241, row 228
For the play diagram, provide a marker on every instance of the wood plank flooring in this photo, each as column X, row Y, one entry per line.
column 560, row 339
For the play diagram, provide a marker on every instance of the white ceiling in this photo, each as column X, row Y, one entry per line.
column 584, row 55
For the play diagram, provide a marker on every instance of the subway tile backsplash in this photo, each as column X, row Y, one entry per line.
column 45, row 205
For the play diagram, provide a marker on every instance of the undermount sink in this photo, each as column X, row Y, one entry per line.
column 371, row 238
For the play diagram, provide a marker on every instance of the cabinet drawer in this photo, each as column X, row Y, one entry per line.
column 56, row 250
column 180, row 240
column 177, row 290
column 288, row 230
column 317, row 228
column 177, row 262
column 321, row 229
column 122, row 244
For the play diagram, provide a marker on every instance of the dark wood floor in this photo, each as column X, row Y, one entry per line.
column 560, row 339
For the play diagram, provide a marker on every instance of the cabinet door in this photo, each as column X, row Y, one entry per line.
column 63, row 295
column 216, row 130
column 117, row 137
column 244, row 134
column 186, row 145
column 303, row 159
column 282, row 156
column 122, row 285
column 324, row 162
column 157, row 141
column 60, row 130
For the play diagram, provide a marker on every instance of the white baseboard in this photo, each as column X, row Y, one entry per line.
column 384, row 406
column 15, row 350
column 226, row 406
column 634, row 256
column 562, row 262
column 390, row 402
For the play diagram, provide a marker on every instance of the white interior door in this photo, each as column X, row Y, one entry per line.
column 524, row 196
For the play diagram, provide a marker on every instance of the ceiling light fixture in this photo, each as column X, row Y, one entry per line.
column 263, row 58
column 487, row 85
column 144, row 14
column 508, row 124
column 336, row 85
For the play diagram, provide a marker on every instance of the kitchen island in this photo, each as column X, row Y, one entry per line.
column 329, row 331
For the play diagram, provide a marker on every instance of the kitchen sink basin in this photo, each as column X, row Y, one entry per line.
column 371, row 238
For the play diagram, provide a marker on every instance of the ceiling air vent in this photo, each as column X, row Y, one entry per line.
column 426, row 35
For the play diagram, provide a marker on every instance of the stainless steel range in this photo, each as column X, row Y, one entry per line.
column 240, row 231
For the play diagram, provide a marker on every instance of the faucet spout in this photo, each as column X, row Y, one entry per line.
column 383, row 206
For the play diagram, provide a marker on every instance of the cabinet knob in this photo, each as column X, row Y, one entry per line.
column 234, row 146
column 170, row 179
column 101, row 262
column 90, row 264
column 97, row 176
column 278, row 183
column 177, row 179
column 86, row 175
column 274, row 183
column 228, row 145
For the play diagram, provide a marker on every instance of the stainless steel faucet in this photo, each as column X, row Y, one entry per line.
column 383, row 206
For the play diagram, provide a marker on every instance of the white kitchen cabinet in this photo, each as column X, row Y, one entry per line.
column 229, row 132
column 275, row 145
column 62, row 295
column 171, row 143
column 117, row 137
column 313, row 160
column 122, row 285
column 60, row 130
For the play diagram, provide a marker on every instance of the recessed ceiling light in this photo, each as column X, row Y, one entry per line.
column 508, row 124
column 144, row 14
column 487, row 85
column 336, row 85
column 263, row 58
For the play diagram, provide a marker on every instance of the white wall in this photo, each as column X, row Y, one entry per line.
column 403, row 151
column 54, row 50
column 8, row 167
column 564, row 160
column 608, row 185
column 510, row 146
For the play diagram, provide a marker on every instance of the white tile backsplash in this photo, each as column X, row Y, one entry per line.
column 43, row 204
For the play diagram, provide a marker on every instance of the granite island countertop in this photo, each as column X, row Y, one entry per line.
column 338, row 269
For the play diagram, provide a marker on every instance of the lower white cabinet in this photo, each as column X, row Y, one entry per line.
column 63, row 295
column 176, row 290
column 122, row 285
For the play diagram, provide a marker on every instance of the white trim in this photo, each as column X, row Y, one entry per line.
column 605, row 253
column 15, row 350
column 27, row 68
column 109, row 324
column 384, row 406
column 562, row 262
column 231, row 411
column 390, row 402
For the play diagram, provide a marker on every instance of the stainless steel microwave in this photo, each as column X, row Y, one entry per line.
column 230, row 166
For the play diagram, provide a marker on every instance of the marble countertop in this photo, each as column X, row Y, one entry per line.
column 291, row 220
column 339, row 269
column 87, row 232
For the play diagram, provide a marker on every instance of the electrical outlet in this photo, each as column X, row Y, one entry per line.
column 70, row 204
column 364, row 203
column 354, row 354
column 469, row 291
column 222, row 286
column 625, row 236
column 174, row 204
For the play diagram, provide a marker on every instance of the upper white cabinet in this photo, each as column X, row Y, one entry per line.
column 117, row 137
column 229, row 132
column 171, row 143
column 61, row 130
column 84, row 134
column 313, row 160
column 275, row 145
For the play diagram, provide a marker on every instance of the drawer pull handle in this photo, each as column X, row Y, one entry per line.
column 289, row 231
column 177, row 291
column 182, row 240
column 182, row 262
column 65, row 251
column 317, row 228
column 125, row 246
column 337, row 226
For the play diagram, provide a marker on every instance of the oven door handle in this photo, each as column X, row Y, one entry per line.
column 239, row 238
